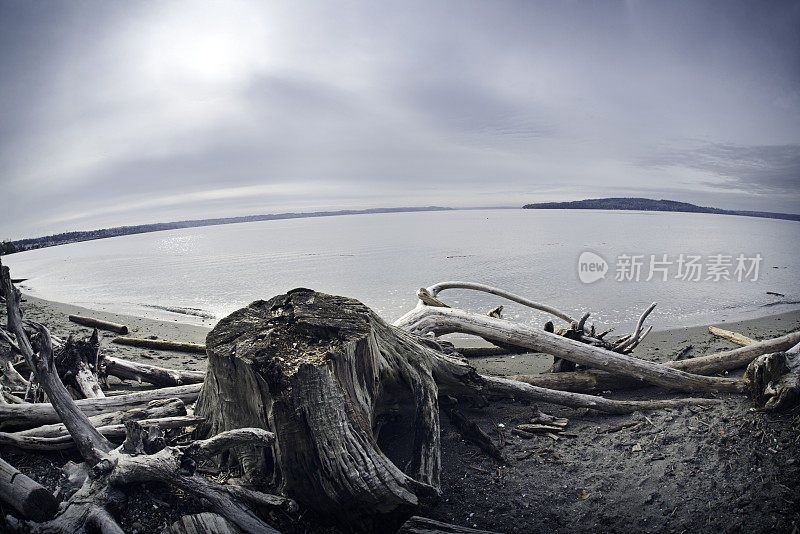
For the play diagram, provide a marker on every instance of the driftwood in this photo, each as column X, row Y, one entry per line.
column 160, row 344
column 97, row 323
column 592, row 380
column 141, row 372
column 114, row 432
column 43, row 413
column 321, row 372
column 77, row 362
column 204, row 523
column 28, row 498
column 735, row 337
column 143, row 457
column 773, row 380
column 423, row 525
column 428, row 319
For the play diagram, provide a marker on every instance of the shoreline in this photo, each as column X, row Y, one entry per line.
column 660, row 345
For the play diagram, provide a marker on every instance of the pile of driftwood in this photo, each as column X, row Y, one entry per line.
column 298, row 394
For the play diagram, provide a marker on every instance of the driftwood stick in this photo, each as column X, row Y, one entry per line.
column 110, row 432
column 97, row 323
column 28, row 498
column 160, row 344
column 736, row 337
column 158, row 376
column 423, row 525
column 594, row 380
column 435, row 289
column 156, row 409
column 31, row 415
column 523, row 391
column 424, row 319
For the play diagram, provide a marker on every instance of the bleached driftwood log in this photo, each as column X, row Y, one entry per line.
column 735, row 337
column 42, row 413
column 141, row 372
column 97, row 323
column 160, row 344
column 437, row 320
column 592, row 380
column 322, row 372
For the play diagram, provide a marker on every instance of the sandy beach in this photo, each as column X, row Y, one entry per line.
column 724, row 468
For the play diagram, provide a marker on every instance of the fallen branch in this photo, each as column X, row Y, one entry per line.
column 142, row 372
column 736, row 337
column 592, row 380
column 111, row 432
column 425, row 319
column 31, row 415
column 97, row 323
column 160, row 344
column 423, row 525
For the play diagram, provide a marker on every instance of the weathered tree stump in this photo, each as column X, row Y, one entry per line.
column 322, row 372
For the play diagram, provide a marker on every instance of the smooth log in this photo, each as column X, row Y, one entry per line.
column 28, row 498
column 423, row 525
column 735, row 337
column 592, row 380
column 31, row 415
column 97, row 323
column 424, row 319
column 160, row 344
column 142, row 372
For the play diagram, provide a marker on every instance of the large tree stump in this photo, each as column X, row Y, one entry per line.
column 323, row 373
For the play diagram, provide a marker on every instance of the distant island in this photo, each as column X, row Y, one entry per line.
column 9, row 247
column 647, row 204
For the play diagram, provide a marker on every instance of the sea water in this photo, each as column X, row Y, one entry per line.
column 199, row 275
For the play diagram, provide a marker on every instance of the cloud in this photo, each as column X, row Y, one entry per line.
column 111, row 111
column 764, row 169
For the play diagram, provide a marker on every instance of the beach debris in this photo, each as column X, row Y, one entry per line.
column 424, row 319
column 594, row 380
column 28, row 498
column 327, row 368
column 774, row 294
column 471, row 432
column 152, row 374
column 160, row 344
column 773, row 380
column 682, row 353
column 423, row 525
column 77, row 363
column 97, row 323
column 203, row 523
column 736, row 337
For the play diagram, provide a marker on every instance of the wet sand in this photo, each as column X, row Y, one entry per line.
column 723, row 469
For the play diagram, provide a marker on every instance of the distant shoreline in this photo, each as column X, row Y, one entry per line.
column 21, row 245
column 647, row 204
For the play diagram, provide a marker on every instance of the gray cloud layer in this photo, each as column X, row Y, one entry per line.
column 120, row 112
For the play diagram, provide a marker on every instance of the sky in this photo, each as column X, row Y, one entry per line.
column 131, row 112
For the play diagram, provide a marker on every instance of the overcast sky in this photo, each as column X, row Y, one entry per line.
column 132, row 112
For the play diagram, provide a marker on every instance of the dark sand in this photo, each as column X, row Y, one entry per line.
column 723, row 469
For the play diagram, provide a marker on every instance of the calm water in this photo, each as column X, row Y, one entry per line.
column 382, row 259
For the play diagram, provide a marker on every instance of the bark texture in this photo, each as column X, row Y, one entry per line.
column 320, row 372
